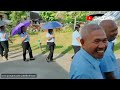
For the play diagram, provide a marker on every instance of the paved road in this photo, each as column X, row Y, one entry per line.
column 44, row 70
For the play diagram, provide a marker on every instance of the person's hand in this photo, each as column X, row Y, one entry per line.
column 4, row 35
column 26, row 36
column 53, row 36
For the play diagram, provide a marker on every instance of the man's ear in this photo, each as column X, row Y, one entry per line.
column 82, row 41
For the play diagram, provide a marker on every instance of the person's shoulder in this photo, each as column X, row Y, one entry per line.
column 21, row 34
column 78, row 58
column 108, row 52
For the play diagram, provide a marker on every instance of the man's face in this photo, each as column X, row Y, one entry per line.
column 112, row 32
column 95, row 43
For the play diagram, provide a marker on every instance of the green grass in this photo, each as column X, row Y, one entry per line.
column 63, row 43
column 117, row 46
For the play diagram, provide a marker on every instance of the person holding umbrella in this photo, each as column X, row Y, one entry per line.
column 25, row 43
column 1, row 48
column 51, row 44
column 51, row 37
column 4, row 45
column 21, row 30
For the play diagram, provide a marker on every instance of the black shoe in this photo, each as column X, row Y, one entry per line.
column 32, row 58
column 25, row 60
column 47, row 59
column 51, row 59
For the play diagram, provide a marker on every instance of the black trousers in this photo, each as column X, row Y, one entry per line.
column 51, row 46
column 76, row 49
column 26, row 46
column 1, row 49
column 4, row 46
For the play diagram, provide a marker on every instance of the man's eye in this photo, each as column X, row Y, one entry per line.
column 104, row 41
column 96, row 41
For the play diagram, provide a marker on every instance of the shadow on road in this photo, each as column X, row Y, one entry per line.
column 64, row 52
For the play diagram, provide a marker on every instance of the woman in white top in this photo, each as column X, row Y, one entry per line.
column 51, row 44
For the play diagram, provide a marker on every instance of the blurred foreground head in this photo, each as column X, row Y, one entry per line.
column 110, row 29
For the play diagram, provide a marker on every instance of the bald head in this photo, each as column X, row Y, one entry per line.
column 106, row 24
column 87, row 29
column 110, row 28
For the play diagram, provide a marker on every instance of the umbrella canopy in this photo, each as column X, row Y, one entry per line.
column 17, row 29
column 52, row 25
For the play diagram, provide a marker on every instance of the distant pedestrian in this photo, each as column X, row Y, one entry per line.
column 51, row 44
column 4, row 44
column 25, row 43
column 76, row 39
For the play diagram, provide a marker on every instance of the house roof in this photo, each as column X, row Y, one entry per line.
column 34, row 16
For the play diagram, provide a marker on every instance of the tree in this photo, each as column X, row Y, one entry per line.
column 48, row 15
column 17, row 16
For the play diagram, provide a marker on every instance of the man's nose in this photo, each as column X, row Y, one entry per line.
column 103, row 45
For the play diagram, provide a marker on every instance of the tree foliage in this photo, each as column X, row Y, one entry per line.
column 17, row 16
column 48, row 15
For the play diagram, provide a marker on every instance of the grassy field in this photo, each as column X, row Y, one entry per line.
column 63, row 43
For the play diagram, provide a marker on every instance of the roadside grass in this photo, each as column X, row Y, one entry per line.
column 117, row 46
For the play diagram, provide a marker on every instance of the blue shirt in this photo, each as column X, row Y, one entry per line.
column 1, row 36
column 109, row 62
column 84, row 66
column 22, row 35
column 75, row 35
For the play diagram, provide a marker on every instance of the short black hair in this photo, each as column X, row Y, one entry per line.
column 50, row 31
column 77, row 26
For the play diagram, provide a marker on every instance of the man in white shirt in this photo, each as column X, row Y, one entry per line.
column 51, row 44
column 76, row 40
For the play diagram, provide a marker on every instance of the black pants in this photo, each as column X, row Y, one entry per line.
column 26, row 46
column 51, row 46
column 76, row 49
column 4, row 46
column 1, row 49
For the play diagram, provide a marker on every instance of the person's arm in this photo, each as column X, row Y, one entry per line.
column 4, row 35
column 109, row 75
column 78, row 39
column 23, row 39
column 49, row 38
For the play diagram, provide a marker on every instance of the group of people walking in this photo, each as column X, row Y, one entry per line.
column 4, row 42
